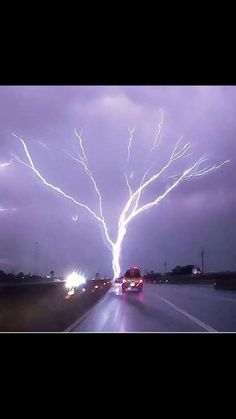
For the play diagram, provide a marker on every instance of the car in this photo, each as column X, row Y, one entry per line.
column 132, row 280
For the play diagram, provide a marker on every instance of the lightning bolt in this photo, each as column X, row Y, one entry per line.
column 128, row 184
column 5, row 164
column 43, row 144
column 155, row 144
column 132, row 207
column 32, row 166
column 7, row 209
column 84, row 162
column 126, row 217
column 131, row 131
column 140, row 190
column 79, row 136
column 130, row 142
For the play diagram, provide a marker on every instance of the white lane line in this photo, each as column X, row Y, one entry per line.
column 219, row 298
column 80, row 319
column 190, row 316
column 228, row 299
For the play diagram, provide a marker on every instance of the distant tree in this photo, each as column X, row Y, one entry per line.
column 183, row 270
column 176, row 270
column 52, row 273
column 152, row 273
column 3, row 276
column 11, row 277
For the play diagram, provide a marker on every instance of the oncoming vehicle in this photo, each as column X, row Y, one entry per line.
column 132, row 280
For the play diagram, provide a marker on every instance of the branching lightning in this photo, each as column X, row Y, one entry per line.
column 132, row 207
column 31, row 166
column 79, row 136
column 91, row 177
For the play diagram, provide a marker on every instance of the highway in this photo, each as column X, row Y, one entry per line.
column 162, row 308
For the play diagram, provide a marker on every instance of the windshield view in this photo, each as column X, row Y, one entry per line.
column 117, row 209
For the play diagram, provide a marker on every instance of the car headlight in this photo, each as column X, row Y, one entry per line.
column 74, row 280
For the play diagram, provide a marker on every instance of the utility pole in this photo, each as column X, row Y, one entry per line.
column 202, row 255
column 165, row 266
column 36, row 255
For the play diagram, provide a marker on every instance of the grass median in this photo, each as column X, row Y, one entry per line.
column 46, row 307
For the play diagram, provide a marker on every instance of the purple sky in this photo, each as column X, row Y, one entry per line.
column 199, row 213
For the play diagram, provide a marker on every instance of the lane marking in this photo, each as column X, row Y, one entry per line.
column 218, row 298
column 229, row 299
column 190, row 316
column 83, row 317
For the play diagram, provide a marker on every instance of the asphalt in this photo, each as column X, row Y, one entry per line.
column 162, row 308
